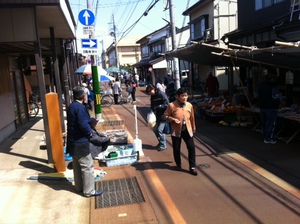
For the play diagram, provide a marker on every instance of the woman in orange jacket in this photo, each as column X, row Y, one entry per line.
column 180, row 114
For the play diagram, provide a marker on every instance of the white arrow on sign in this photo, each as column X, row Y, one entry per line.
column 86, row 15
column 89, row 43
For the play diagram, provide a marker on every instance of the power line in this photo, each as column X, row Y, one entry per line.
column 126, row 32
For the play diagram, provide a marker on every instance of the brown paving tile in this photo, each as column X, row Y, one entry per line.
column 134, row 213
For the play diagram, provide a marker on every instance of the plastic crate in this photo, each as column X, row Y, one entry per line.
column 126, row 155
column 122, row 160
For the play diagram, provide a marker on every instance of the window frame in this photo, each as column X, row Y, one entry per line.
column 262, row 4
column 198, row 27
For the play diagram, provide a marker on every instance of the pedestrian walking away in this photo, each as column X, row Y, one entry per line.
column 159, row 103
column 168, row 79
column 132, row 85
column 180, row 114
column 91, row 99
column 268, row 96
column 87, row 93
column 116, row 87
column 160, row 85
column 211, row 85
column 78, row 133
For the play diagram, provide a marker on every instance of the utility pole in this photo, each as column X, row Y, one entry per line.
column 90, row 6
column 96, row 82
column 115, row 40
column 174, row 45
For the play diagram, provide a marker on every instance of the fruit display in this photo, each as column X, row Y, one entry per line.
column 234, row 124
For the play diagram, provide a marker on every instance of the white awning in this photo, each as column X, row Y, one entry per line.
column 161, row 64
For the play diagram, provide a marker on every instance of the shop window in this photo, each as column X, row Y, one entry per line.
column 198, row 27
column 260, row 4
column 145, row 51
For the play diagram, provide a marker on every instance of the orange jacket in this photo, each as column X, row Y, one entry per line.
column 175, row 110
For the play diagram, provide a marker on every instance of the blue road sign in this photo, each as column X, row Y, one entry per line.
column 89, row 43
column 86, row 17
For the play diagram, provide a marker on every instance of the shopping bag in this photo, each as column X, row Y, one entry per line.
column 167, row 129
column 151, row 120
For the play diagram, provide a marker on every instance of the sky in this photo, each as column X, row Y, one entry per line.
column 126, row 13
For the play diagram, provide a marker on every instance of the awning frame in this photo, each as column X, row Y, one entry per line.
column 208, row 54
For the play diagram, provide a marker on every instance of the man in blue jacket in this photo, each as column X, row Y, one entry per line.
column 78, row 134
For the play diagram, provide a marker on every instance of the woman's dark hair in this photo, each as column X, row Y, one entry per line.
column 181, row 91
column 149, row 88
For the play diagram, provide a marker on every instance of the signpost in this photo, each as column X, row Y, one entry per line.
column 89, row 46
column 89, row 43
column 86, row 17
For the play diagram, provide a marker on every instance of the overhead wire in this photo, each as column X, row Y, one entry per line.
column 129, row 15
column 126, row 32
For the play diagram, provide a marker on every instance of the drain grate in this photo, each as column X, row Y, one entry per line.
column 118, row 192
column 113, row 123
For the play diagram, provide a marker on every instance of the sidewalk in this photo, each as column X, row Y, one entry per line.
column 48, row 201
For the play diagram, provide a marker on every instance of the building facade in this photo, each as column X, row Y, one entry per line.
column 126, row 52
column 37, row 54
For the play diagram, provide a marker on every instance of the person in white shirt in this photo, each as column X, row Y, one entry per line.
column 160, row 86
column 137, row 78
column 87, row 93
column 116, row 87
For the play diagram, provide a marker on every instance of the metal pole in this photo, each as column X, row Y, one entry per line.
column 174, row 45
column 89, row 6
column 96, row 82
column 115, row 39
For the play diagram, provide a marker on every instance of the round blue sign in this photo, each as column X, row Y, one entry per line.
column 86, row 17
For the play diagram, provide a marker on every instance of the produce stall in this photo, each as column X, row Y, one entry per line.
column 222, row 111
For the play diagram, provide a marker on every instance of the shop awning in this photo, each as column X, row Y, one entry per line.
column 283, row 55
column 201, row 54
column 159, row 63
column 286, row 55
column 142, row 63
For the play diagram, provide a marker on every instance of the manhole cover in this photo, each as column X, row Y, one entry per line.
column 113, row 123
column 204, row 166
column 118, row 192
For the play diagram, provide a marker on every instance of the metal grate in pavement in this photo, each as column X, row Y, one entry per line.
column 113, row 123
column 118, row 192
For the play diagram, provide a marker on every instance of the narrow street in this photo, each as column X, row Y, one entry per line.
column 241, row 179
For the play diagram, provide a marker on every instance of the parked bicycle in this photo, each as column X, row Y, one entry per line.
column 127, row 99
column 33, row 107
column 107, row 98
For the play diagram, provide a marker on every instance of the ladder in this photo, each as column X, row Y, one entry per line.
column 293, row 10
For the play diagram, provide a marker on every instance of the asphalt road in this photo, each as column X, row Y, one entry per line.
column 241, row 179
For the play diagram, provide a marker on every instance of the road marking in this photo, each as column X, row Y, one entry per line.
column 266, row 174
column 164, row 196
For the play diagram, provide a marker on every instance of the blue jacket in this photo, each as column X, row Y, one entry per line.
column 78, row 128
column 268, row 95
